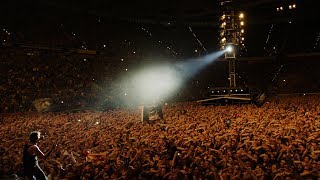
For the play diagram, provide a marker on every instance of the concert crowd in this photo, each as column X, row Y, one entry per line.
column 276, row 141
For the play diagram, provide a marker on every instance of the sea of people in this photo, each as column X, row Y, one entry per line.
column 28, row 74
column 279, row 140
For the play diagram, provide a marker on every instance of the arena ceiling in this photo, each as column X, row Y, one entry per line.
column 293, row 31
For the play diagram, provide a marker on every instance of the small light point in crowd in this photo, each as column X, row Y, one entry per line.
column 126, row 69
column 121, row 59
column 97, row 123
column 84, row 59
column 241, row 15
column 134, row 52
column 79, row 120
column 61, row 102
column 104, row 45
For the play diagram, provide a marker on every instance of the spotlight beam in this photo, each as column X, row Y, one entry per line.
column 152, row 84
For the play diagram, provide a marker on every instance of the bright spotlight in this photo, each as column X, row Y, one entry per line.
column 229, row 49
column 241, row 15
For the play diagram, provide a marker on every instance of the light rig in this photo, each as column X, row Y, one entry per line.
column 231, row 40
column 231, row 35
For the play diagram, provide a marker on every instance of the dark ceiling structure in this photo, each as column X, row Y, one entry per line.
column 268, row 31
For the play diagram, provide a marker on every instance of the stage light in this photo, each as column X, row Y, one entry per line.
column 281, row 8
column 196, row 50
column 242, row 30
column 121, row 59
column 294, row 6
column 126, row 69
column 229, row 49
column 241, row 23
column 242, row 38
column 104, row 45
column 278, row 9
column 241, row 15
column 290, row 7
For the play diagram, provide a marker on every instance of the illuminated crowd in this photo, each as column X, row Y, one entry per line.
column 276, row 141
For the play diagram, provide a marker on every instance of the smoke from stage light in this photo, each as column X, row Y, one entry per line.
column 157, row 82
